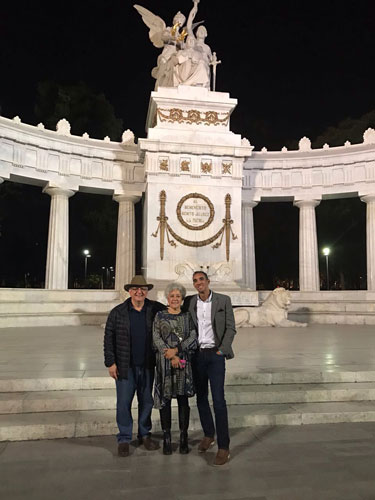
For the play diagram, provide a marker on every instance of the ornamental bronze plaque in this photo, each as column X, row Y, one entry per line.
column 195, row 211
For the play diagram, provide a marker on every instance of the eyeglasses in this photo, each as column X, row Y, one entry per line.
column 141, row 288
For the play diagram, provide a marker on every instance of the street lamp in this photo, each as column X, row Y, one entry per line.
column 87, row 255
column 326, row 251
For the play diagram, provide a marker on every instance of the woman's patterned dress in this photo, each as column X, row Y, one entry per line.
column 170, row 331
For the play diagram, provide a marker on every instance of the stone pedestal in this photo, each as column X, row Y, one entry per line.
column 193, row 164
column 125, row 250
column 58, row 239
column 370, row 239
column 248, row 245
column 308, row 246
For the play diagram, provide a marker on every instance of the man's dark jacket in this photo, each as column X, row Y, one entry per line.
column 117, row 342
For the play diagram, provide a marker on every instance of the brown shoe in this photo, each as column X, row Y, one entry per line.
column 222, row 457
column 123, row 449
column 205, row 444
column 149, row 444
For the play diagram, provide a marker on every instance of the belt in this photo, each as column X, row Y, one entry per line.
column 208, row 349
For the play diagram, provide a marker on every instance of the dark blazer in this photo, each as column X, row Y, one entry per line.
column 222, row 320
column 117, row 336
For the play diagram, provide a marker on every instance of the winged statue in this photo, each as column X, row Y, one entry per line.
column 181, row 60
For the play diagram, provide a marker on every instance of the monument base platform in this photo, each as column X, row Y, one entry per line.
column 239, row 296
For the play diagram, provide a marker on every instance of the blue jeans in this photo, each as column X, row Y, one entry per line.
column 209, row 366
column 139, row 379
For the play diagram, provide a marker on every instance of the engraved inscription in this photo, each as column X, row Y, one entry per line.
column 195, row 211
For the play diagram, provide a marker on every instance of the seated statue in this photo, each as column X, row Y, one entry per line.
column 273, row 312
column 190, row 66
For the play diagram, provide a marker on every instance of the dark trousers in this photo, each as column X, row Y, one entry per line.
column 181, row 401
column 210, row 367
column 139, row 380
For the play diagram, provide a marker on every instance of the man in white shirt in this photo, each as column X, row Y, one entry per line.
column 212, row 314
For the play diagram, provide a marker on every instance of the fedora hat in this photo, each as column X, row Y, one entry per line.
column 138, row 280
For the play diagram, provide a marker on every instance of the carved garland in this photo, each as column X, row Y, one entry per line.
column 192, row 116
column 165, row 228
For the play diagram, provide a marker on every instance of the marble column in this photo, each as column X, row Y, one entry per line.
column 125, row 250
column 248, row 245
column 308, row 246
column 58, row 239
column 369, row 199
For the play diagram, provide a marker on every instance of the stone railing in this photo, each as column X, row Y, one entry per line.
column 311, row 173
column 56, row 158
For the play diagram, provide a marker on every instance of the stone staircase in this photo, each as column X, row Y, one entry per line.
column 23, row 307
column 356, row 307
column 49, row 408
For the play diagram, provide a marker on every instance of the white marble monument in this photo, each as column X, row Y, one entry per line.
column 193, row 165
column 192, row 212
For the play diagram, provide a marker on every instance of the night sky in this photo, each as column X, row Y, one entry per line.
column 296, row 67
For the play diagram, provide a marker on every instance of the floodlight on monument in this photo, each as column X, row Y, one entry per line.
column 326, row 251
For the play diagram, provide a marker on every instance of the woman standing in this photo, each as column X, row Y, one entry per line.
column 175, row 339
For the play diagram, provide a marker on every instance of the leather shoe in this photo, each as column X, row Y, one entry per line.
column 123, row 449
column 222, row 457
column 149, row 444
column 205, row 444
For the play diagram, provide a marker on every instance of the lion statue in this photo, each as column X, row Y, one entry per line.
column 273, row 312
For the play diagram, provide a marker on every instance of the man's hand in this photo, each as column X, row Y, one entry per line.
column 170, row 353
column 113, row 371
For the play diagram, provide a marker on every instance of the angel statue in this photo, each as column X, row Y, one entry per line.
column 193, row 62
column 171, row 39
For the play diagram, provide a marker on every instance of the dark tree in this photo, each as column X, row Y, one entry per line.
column 85, row 110
column 350, row 129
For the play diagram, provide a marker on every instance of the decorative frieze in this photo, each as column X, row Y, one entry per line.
column 164, row 164
column 42, row 160
column 226, row 168
column 206, row 166
column 107, row 171
column 19, row 157
column 193, row 116
column 185, row 165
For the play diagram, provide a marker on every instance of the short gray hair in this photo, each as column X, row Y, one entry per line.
column 175, row 286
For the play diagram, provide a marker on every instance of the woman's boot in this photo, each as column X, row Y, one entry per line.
column 183, row 420
column 165, row 420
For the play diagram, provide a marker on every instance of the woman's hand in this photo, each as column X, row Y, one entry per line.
column 170, row 353
column 175, row 362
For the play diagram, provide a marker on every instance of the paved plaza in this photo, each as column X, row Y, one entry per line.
column 331, row 461
column 78, row 351
column 317, row 462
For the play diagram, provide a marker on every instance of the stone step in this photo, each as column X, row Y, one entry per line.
column 52, row 425
column 105, row 399
column 24, row 307
column 48, row 383
column 22, row 320
column 54, row 307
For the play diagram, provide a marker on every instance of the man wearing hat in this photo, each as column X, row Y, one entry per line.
column 130, row 360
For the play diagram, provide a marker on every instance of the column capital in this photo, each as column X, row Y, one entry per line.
column 306, row 203
column 251, row 204
column 367, row 198
column 58, row 191
column 133, row 197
